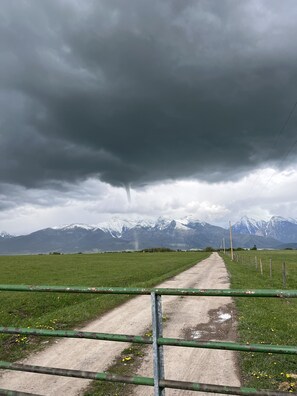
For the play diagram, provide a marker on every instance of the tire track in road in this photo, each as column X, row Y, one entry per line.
column 203, row 318
column 133, row 317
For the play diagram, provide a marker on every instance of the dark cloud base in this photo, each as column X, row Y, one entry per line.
column 145, row 91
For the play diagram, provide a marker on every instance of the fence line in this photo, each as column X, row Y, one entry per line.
column 260, row 265
column 157, row 340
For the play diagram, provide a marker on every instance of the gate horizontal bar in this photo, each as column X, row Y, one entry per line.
column 229, row 390
column 193, row 386
column 233, row 346
column 77, row 334
column 6, row 392
column 158, row 291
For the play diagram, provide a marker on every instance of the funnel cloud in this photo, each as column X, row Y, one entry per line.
column 191, row 105
column 128, row 192
column 145, row 91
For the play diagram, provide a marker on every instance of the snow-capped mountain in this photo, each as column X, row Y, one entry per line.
column 280, row 228
column 73, row 227
column 116, row 227
column 5, row 235
column 119, row 235
column 250, row 226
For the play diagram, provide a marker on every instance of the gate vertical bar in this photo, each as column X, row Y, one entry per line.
column 157, row 349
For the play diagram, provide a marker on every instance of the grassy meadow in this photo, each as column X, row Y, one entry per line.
column 63, row 311
column 266, row 320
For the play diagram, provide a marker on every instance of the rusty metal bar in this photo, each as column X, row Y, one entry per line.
column 77, row 334
column 159, row 291
column 6, row 392
column 192, row 386
column 233, row 346
column 157, row 340
column 158, row 355
column 77, row 373
column 229, row 390
column 74, row 289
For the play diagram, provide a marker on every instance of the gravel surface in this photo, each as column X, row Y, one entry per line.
column 191, row 317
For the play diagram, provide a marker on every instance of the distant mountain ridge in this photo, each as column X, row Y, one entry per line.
column 118, row 235
column 280, row 228
column 5, row 235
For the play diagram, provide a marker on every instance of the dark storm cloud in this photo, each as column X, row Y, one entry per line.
column 140, row 91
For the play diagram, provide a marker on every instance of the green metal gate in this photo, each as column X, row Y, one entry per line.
column 159, row 382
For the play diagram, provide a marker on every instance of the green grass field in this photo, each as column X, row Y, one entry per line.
column 63, row 311
column 263, row 320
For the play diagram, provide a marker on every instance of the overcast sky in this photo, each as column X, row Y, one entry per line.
column 190, row 104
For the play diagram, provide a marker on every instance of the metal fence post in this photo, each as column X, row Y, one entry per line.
column 157, row 349
column 284, row 275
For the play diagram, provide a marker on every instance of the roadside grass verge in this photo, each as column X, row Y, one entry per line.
column 266, row 320
column 126, row 364
column 64, row 311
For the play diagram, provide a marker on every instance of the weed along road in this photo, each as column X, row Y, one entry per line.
column 198, row 318
column 201, row 318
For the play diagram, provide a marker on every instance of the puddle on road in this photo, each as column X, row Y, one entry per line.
column 197, row 334
column 221, row 326
column 224, row 316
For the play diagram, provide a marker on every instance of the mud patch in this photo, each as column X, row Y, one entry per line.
column 221, row 326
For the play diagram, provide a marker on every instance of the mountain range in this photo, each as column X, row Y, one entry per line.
column 121, row 235
column 280, row 228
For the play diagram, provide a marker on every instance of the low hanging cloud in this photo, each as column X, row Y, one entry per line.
column 92, row 202
column 136, row 92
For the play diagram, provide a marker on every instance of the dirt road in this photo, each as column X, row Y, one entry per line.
column 191, row 317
